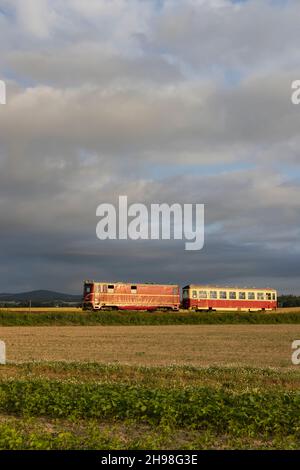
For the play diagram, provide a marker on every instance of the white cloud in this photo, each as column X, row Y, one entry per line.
column 35, row 17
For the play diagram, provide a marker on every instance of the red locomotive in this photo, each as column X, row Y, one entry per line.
column 124, row 296
column 201, row 297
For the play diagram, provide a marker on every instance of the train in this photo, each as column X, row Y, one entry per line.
column 166, row 297
column 210, row 297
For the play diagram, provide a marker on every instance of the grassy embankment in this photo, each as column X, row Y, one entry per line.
column 77, row 317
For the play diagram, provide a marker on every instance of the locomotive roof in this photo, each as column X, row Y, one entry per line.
column 130, row 283
column 210, row 286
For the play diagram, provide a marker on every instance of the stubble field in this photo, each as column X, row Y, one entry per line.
column 198, row 345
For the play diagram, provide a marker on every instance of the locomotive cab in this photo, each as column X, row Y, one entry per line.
column 88, row 296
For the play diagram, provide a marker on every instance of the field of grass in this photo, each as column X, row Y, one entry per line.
column 59, row 316
column 198, row 345
column 97, row 406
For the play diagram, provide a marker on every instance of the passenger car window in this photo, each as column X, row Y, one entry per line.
column 202, row 294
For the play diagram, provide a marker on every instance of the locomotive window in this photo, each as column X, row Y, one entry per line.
column 213, row 294
column 202, row 294
column 133, row 289
column 269, row 297
column 194, row 294
column 110, row 288
column 260, row 296
column 242, row 295
column 223, row 294
column 88, row 289
column 251, row 295
column 273, row 296
column 232, row 295
column 185, row 294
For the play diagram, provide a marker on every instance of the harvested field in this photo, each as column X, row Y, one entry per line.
column 198, row 345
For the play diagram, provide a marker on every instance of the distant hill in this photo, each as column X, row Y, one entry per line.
column 40, row 297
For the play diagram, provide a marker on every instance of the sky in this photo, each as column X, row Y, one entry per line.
column 164, row 101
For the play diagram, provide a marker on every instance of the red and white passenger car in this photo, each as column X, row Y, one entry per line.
column 124, row 296
column 208, row 297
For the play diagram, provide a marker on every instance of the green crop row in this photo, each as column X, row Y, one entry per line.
column 48, row 434
column 144, row 318
column 193, row 407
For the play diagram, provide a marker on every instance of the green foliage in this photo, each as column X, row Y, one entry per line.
column 144, row 318
column 98, row 406
column 193, row 407
column 40, row 434
column 289, row 301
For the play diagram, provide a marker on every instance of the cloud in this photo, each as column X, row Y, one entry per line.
column 35, row 17
column 165, row 102
column 254, row 35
